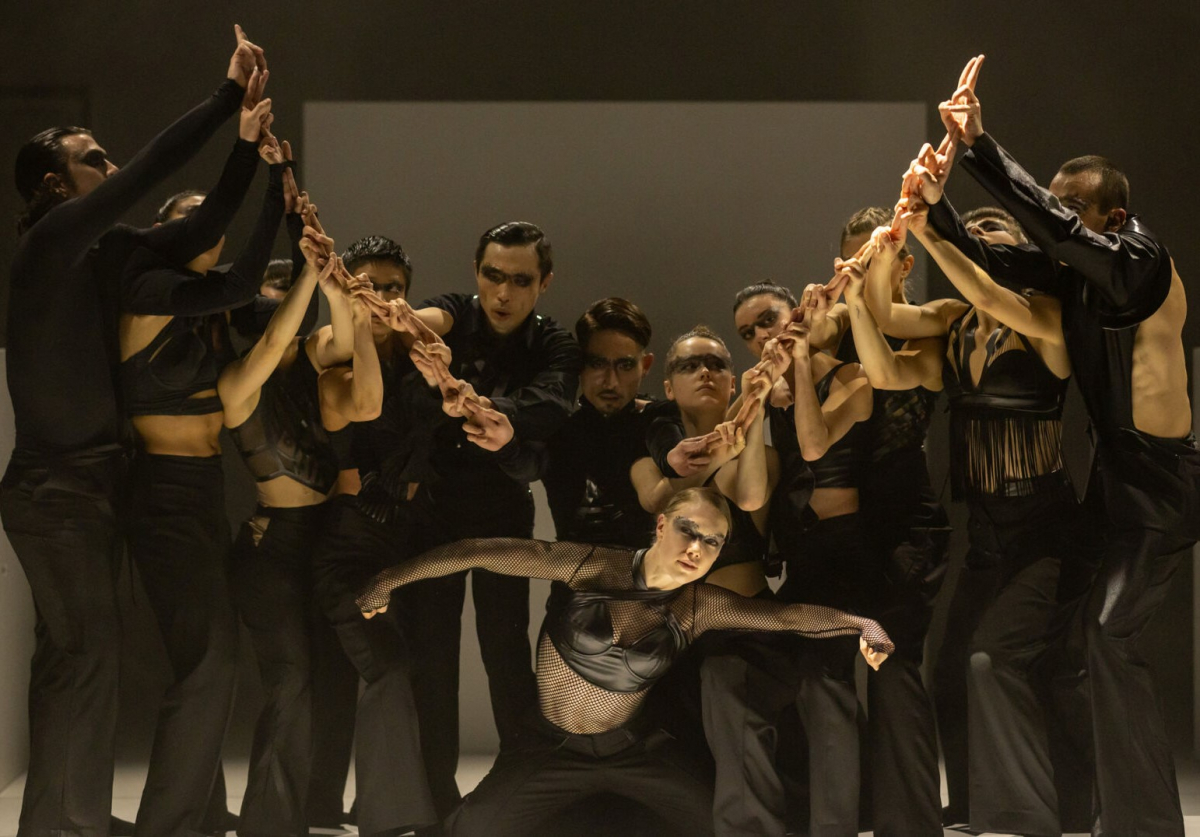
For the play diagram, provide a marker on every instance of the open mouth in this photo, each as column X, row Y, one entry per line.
column 688, row 565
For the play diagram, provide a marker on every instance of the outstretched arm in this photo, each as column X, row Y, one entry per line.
column 508, row 556
column 719, row 609
column 73, row 226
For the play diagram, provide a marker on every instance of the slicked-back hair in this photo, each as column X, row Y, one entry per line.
column 698, row 330
column 379, row 248
column 987, row 213
column 1112, row 191
column 278, row 275
column 705, row 494
column 767, row 287
column 865, row 221
column 518, row 234
column 164, row 212
column 613, row 314
column 43, row 154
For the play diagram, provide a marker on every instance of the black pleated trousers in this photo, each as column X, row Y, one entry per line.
column 61, row 519
column 551, row 770
column 393, row 793
column 432, row 616
column 272, row 587
column 179, row 542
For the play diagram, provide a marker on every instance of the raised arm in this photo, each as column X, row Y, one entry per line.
column 819, row 426
column 557, row 561
column 719, row 609
column 749, row 479
column 355, row 392
column 241, row 381
column 73, row 226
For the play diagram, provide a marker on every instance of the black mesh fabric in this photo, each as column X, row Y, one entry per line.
column 571, row 701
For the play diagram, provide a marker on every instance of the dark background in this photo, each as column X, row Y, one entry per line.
column 1060, row 80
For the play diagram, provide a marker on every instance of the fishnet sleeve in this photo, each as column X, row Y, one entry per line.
column 719, row 609
column 507, row 556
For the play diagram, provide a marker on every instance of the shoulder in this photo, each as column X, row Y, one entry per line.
column 452, row 303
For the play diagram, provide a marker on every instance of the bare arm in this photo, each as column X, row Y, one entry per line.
column 354, row 393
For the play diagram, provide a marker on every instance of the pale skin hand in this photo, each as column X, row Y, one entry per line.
column 254, row 120
column 488, row 428
column 690, row 456
column 248, row 67
column 874, row 658
column 962, row 111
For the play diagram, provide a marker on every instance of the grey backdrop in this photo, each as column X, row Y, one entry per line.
column 1059, row 81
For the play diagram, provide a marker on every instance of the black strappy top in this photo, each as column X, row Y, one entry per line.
column 580, row 626
column 842, row 465
column 284, row 436
column 1005, row 430
column 183, row 359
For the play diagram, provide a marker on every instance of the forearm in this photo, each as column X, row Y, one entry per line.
column 507, row 556
column 251, row 263
column 523, row 462
column 812, row 434
column 751, row 488
column 874, row 352
column 340, row 345
column 366, row 385
column 181, row 241
column 537, row 412
column 78, row 223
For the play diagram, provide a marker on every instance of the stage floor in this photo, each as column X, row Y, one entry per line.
column 130, row 777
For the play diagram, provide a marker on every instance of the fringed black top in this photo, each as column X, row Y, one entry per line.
column 1006, row 428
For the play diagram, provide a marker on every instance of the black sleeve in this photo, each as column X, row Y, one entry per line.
column 541, row 407
column 524, row 462
column 183, row 239
column 1018, row 268
column 72, row 227
column 295, row 231
column 452, row 304
column 167, row 290
column 664, row 432
column 1130, row 270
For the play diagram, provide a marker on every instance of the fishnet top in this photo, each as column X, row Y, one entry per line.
column 568, row 699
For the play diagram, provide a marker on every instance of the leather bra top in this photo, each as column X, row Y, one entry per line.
column 843, row 463
column 579, row 624
column 180, row 361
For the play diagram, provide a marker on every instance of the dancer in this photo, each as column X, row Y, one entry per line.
column 616, row 622
column 59, row 498
column 1006, row 390
column 1123, row 308
column 587, row 478
column 527, row 367
column 172, row 349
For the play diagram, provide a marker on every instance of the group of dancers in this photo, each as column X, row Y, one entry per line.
column 393, row 450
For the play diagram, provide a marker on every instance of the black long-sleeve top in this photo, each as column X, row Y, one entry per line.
column 530, row 375
column 183, row 359
column 62, row 351
column 587, row 480
column 1108, row 284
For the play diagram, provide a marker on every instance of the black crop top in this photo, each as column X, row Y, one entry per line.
column 183, row 359
column 843, row 463
column 1006, row 429
column 284, row 436
column 606, row 636
column 579, row 624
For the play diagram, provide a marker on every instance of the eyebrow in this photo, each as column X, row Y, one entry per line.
column 692, row 523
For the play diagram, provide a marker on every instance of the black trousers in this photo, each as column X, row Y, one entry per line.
column 179, row 542
column 61, row 519
column 551, row 770
column 432, row 614
column 745, row 692
column 992, row 709
column 334, row 705
column 389, row 776
column 272, row 587
column 1150, row 493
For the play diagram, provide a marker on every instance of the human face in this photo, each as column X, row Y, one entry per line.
column 900, row 268
column 87, row 164
column 1077, row 192
column 509, row 283
column 387, row 279
column 207, row 260
column 613, row 367
column 760, row 318
column 688, row 542
column 701, row 375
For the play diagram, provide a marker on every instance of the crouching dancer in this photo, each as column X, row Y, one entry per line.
column 616, row 621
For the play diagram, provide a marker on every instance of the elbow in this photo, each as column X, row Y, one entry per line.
column 368, row 409
column 881, row 379
column 812, row 451
column 752, row 503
